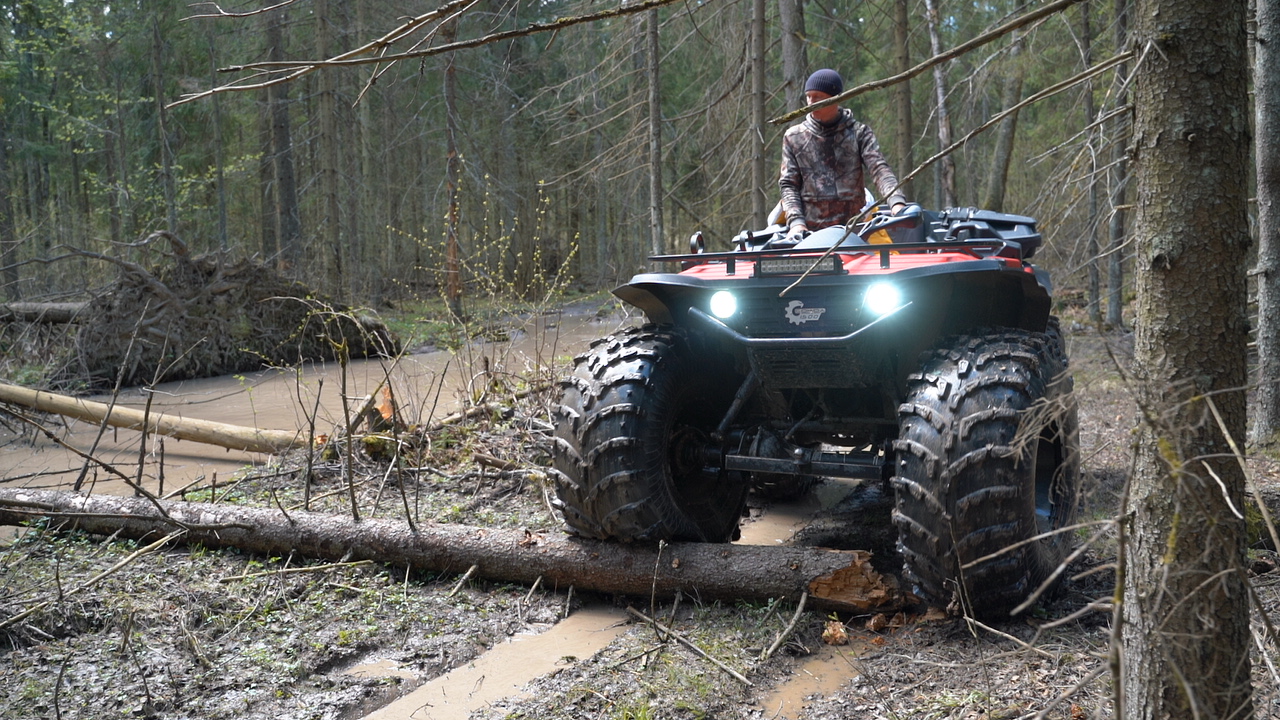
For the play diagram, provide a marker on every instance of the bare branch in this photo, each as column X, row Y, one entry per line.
column 297, row 69
column 953, row 53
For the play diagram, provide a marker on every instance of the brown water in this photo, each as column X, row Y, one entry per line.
column 426, row 386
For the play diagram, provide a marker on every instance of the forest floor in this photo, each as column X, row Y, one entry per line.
column 187, row 632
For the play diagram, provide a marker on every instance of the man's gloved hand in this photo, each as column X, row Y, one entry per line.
column 794, row 235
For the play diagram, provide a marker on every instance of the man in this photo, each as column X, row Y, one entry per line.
column 825, row 162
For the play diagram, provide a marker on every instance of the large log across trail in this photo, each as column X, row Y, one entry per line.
column 835, row 580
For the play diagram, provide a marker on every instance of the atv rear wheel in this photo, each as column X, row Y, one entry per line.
column 987, row 460
column 633, row 435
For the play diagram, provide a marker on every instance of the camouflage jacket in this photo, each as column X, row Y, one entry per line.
column 824, row 169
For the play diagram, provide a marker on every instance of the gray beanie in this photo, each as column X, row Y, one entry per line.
column 825, row 80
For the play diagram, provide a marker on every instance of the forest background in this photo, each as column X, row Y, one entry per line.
column 342, row 177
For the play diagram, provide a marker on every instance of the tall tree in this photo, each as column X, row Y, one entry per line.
column 8, row 234
column 327, row 146
column 1091, row 165
column 759, row 91
column 1006, row 132
column 288, row 215
column 453, row 178
column 1266, row 91
column 902, row 91
column 652, row 59
column 1186, row 637
column 947, row 165
column 795, row 56
column 1119, row 182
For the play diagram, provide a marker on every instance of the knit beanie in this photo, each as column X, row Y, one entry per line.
column 825, row 81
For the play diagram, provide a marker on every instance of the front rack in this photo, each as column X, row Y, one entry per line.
column 977, row 248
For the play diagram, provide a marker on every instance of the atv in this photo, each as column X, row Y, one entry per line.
column 916, row 350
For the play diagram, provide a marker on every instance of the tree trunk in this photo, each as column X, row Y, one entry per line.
column 946, row 165
column 1002, row 154
column 233, row 437
column 267, row 185
column 902, row 91
column 453, row 176
column 1091, row 149
column 759, row 90
column 167, row 181
column 1119, row 185
column 330, row 214
column 8, row 233
column 835, row 580
column 656, row 231
column 288, row 217
column 795, row 58
column 1266, row 87
column 1186, row 639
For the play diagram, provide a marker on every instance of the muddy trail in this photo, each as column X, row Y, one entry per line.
column 185, row 632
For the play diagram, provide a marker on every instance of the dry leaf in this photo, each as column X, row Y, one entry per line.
column 877, row 622
column 835, row 634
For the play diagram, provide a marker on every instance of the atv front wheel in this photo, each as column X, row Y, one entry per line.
column 987, row 461
column 633, row 441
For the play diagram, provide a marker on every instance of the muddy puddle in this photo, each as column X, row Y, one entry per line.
column 426, row 386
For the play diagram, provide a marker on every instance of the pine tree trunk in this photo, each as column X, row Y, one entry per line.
column 8, row 233
column 759, row 90
column 1006, row 133
column 946, row 165
column 453, row 177
column 904, row 161
column 1091, row 147
column 834, row 580
column 1119, row 185
column 795, row 59
column 288, row 217
column 656, row 231
column 1266, row 87
column 1186, row 639
column 327, row 109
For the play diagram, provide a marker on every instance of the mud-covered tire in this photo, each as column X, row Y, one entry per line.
column 631, row 434
column 987, row 458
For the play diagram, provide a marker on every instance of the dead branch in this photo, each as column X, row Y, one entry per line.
column 296, row 69
column 951, row 54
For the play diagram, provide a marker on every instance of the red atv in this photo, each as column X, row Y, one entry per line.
column 914, row 349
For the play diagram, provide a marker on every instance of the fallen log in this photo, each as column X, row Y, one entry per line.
column 234, row 437
column 834, row 580
column 49, row 313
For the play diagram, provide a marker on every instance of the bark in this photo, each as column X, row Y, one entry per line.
column 167, row 181
column 288, row 217
column 759, row 89
column 453, row 176
column 1186, row 638
column 656, row 243
column 1119, row 186
column 1002, row 154
column 795, row 59
column 835, row 580
column 331, row 216
column 902, row 92
column 8, row 233
column 1091, row 149
column 1266, row 86
column 48, row 313
column 946, row 165
column 233, row 437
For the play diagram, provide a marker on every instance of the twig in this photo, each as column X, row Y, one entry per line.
column 1007, row 636
column 786, row 631
column 465, row 577
column 532, row 590
column 292, row 570
column 568, row 602
column 690, row 644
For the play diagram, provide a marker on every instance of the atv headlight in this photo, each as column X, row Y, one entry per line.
column 724, row 304
column 882, row 298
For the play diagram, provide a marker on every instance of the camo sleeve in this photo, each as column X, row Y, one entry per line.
column 791, row 181
column 877, row 168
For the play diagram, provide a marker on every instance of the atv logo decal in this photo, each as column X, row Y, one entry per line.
column 798, row 314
